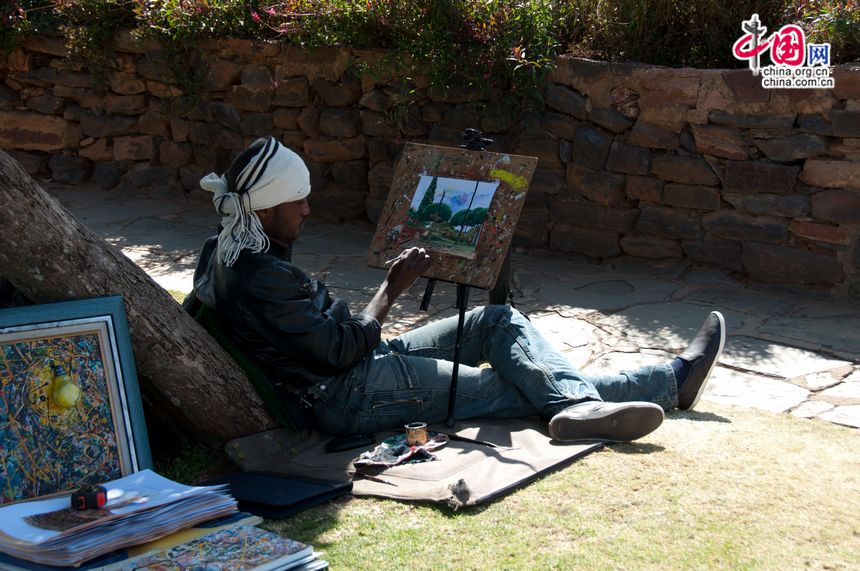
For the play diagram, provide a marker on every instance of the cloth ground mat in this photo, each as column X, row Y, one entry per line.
column 494, row 457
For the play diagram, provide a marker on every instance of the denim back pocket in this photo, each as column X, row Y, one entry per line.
column 393, row 391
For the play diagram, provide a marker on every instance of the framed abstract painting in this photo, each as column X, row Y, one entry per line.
column 70, row 406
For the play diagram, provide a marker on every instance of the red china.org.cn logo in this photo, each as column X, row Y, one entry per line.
column 796, row 64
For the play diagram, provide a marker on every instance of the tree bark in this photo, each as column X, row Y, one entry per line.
column 50, row 256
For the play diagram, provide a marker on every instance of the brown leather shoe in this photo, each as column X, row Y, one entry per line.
column 702, row 354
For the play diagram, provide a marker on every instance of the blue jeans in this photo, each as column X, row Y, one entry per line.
column 408, row 378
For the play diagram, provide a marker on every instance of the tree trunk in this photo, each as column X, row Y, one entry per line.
column 50, row 256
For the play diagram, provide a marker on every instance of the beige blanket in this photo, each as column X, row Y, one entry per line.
column 465, row 473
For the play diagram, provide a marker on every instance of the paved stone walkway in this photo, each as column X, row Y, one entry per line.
column 783, row 354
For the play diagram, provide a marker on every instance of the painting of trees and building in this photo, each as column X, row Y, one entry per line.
column 447, row 214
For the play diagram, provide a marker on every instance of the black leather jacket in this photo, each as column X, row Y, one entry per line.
column 283, row 320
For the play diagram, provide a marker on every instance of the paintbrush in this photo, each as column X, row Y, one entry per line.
column 394, row 259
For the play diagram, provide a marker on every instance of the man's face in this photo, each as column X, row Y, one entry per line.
column 284, row 221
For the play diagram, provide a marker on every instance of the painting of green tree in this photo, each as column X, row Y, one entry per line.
column 447, row 214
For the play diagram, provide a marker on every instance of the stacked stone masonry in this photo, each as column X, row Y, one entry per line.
column 637, row 164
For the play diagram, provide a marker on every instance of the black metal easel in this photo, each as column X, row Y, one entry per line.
column 475, row 141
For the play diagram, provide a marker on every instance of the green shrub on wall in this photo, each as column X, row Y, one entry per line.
column 188, row 21
column 500, row 43
column 469, row 42
column 22, row 17
column 670, row 32
column 833, row 21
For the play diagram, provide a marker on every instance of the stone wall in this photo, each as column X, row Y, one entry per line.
column 640, row 166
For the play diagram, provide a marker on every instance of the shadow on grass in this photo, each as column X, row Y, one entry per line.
column 636, row 448
column 309, row 526
column 699, row 416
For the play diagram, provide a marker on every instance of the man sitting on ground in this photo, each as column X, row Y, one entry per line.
column 355, row 382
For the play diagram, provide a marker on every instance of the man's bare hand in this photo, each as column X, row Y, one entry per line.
column 403, row 272
column 405, row 269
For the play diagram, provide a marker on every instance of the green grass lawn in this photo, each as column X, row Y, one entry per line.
column 721, row 487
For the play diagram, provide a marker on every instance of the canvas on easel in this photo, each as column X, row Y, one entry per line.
column 460, row 205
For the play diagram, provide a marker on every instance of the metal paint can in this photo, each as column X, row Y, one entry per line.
column 416, row 433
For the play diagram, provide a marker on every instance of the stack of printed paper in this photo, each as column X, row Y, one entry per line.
column 140, row 508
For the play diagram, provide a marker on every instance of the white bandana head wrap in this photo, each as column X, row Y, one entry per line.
column 274, row 175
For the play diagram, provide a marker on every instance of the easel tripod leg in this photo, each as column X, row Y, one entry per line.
column 462, row 302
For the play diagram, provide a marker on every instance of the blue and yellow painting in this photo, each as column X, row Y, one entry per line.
column 57, row 427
